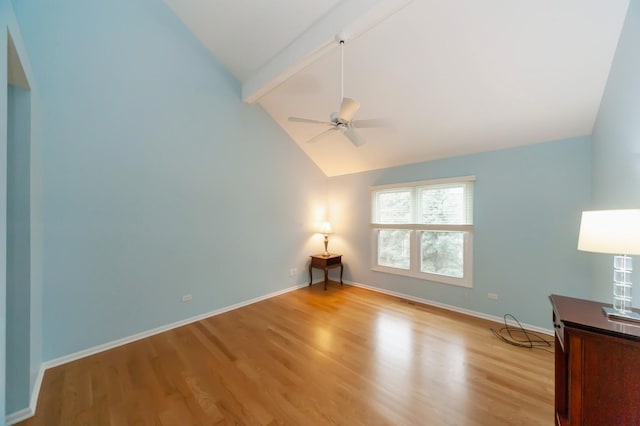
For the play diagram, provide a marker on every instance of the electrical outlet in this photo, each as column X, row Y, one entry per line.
column 492, row 296
column 293, row 272
column 186, row 298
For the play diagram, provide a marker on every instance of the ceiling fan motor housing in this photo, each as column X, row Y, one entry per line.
column 335, row 118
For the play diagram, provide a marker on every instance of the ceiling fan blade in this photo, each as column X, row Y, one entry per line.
column 348, row 109
column 307, row 120
column 321, row 135
column 372, row 122
column 354, row 137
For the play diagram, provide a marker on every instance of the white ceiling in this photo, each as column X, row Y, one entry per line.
column 453, row 77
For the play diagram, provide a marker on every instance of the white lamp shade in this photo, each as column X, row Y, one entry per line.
column 325, row 228
column 610, row 231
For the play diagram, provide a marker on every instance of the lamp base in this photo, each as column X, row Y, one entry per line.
column 625, row 316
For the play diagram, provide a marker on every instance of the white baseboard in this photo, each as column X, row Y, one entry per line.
column 114, row 344
column 30, row 411
column 449, row 307
column 19, row 416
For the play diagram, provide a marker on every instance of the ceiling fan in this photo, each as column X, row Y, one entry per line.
column 342, row 120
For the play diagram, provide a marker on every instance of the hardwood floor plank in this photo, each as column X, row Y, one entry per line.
column 346, row 356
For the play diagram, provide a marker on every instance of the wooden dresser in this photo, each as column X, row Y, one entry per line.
column 597, row 365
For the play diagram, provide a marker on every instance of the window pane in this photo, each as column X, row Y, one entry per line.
column 443, row 205
column 393, row 206
column 393, row 248
column 442, row 253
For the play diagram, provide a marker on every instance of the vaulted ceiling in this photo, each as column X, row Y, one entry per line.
column 451, row 77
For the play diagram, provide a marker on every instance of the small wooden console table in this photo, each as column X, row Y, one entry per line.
column 325, row 263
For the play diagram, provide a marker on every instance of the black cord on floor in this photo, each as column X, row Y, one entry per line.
column 518, row 336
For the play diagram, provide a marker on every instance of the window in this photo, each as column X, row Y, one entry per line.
column 424, row 229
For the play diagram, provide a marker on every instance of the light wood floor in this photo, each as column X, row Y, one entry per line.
column 346, row 356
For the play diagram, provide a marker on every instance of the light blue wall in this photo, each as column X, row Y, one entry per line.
column 616, row 146
column 526, row 217
column 18, row 248
column 36, row 234
column 5, row 10
column 158, row 180
column 29, row 322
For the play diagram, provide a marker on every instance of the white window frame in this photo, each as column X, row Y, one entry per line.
column 416, row 229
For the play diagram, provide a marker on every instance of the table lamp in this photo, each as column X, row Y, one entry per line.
column 614, row 232
column 325, row 229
